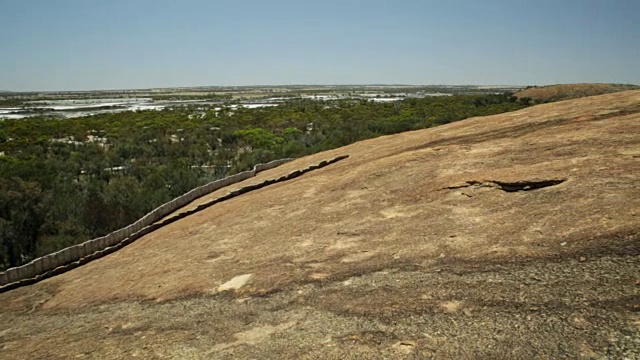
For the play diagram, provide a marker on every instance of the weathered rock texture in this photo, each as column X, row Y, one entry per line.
column 571, row 91
column 502, row 237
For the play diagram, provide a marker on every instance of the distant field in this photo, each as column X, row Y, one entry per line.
column 247, row 91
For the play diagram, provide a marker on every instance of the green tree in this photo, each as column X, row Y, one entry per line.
column 23, row 208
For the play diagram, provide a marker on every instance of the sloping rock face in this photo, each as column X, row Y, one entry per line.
column 503, row 237
column 570, row 91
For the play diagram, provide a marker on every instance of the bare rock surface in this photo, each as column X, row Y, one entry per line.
column 571, row 91
column 514, row 236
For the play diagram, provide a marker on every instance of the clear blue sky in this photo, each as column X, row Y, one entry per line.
column 116, row 44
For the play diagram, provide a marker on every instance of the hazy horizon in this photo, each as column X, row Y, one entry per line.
column 274, row 85
column 73, row 45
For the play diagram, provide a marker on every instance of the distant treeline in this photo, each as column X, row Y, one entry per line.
column 63, row 181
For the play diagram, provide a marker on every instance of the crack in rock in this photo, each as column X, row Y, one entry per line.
column 524, row 185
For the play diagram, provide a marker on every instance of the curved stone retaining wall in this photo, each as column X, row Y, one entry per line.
column 65, row 256
column 77, row 255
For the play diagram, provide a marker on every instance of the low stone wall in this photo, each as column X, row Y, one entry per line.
column 71, row 254
column 77, row 255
